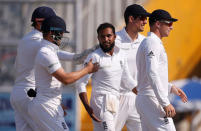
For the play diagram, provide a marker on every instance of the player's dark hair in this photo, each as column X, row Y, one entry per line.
column 33, row 24
column 104, row 26
column 126, row 16
column 151, row 22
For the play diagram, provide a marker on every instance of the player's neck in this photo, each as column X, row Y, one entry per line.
column 156, row 32
column 132, row 33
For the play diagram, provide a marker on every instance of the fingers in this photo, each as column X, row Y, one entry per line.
column 95, row 118
column 65, row 113
column 64, row 109
column 92, row 67
column 96, row 67
column 183, row 96
column 170, row 111
column 92, row 115
column 134, row 90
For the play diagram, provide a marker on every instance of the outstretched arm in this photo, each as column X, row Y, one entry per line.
column 179, row 92
column 68, row 78
column 78, row 58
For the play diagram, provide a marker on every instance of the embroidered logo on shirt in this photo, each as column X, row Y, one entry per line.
column 50, row 66
column 64, row 125
column 151, row 53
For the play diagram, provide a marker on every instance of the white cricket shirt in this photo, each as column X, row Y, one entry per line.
column 152, row 66
column 130, row 47
column 26, row 53
column 113, row 69
column 46, row 63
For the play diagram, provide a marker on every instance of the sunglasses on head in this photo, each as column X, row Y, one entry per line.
column 168, row 23
column 142, row 18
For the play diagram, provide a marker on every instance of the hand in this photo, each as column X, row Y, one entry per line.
column 134, row 90
column 169, row 110
column 64, row 109
column 92, row 115
column 180, row 93
column 92, row 67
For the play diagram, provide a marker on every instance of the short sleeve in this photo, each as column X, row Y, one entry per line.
column 50, row 61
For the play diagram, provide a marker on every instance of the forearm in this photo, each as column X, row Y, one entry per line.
column 68, row 78
column 74, row 76
column 84, row 99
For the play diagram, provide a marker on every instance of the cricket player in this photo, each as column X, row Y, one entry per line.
column 25, row 80
column 152, row 101
column 45, row 109
column 106, row 81
column 128, row 40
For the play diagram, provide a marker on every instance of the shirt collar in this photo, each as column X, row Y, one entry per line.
column 126, row 35
column 116, row 51
column 50, row 45
column 37, row 34
column 154, row 36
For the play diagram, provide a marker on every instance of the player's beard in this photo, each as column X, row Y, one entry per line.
column 107, row 49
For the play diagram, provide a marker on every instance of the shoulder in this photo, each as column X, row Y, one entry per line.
column 46, row 50
column 33, row 35
column 150, row 41
column 141, row 37
column 119, row 35
column 95, row 55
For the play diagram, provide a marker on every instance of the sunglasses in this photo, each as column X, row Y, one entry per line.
column 143, row 18
column 168, row 23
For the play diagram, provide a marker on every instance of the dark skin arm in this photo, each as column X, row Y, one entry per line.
column 84, row 99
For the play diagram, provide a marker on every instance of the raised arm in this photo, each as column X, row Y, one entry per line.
column 78, row 58
column 68, row 78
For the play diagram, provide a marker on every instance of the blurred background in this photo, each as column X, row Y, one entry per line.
column 183, row 47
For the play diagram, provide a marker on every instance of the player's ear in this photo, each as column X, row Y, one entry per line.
column 157, row 24
column 115, row 36
column 130, row 18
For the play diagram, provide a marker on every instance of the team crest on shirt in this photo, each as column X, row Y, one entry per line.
column 151, row 53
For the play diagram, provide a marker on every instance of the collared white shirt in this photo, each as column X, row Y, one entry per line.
column 152, row 65
column 46, row 63
column 113, row 69
column 130, row 47
column 26, row 53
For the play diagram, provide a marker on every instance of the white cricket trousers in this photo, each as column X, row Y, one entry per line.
column 19, row 102
column 47, row 114
column 152, row 114
column 101, row 104
column 127, row 114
